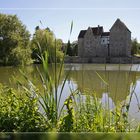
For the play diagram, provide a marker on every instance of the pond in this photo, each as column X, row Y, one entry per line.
column 110, row 82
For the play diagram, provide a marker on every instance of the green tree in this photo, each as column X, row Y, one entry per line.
column 72, row 48
column 14, row 41
column 135, row 47
column 44, row 40
column 69, row 49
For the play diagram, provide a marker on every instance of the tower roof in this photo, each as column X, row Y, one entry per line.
column 118, row 21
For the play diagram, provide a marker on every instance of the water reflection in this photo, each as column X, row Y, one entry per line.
column 9, row 75
column 107, row 81
column 116, row 83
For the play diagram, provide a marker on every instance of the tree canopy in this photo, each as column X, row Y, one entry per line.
column 72, row 48
column 44, row 40
column 14, row 41
column 135, row 47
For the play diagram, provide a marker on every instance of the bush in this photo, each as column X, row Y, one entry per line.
column 19, row 112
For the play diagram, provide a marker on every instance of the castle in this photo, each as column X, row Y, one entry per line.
column 95, row 43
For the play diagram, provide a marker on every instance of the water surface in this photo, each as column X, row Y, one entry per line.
column 111, row 82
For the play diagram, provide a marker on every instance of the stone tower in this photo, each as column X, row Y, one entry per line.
column 120, row 40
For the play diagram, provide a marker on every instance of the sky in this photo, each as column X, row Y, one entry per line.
column 58, row 14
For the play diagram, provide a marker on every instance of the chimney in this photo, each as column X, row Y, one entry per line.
column 98, row 29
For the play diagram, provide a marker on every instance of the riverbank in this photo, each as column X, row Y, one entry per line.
column 103, row 60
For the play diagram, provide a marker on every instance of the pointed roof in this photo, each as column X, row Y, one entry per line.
column 96, row 31
column 82, row 33
column 118, row 21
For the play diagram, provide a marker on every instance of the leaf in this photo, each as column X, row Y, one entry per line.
column 71, row 28
column 101, row 78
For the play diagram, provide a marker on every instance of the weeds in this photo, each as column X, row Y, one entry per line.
column 19, row 112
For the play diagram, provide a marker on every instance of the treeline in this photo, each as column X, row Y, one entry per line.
column 18, row 47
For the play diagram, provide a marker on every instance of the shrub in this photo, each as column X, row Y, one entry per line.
column 19, row 112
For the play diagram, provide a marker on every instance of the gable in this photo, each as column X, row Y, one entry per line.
column 119, row 23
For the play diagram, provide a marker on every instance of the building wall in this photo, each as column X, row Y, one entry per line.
column 129, row 44
column 91, row 46
column 102, row 51
column 81, row 47
column 120, row 41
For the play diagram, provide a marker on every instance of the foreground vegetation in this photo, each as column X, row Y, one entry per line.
column 28, row 111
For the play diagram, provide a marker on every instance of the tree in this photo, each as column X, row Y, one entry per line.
column 44, row 40
column 72, row 48
column 14, row 41
column 135, row 47
column 69, row 49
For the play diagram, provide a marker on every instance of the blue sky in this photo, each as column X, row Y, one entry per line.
column 58, row 14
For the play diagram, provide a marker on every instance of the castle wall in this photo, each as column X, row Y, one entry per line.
column 129, row 44
column 81, row 47
column 120, row 41
column 90, row 44
column 102, row 51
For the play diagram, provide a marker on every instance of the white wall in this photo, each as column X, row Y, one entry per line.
column 104, row 40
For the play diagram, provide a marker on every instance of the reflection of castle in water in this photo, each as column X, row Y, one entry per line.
column 119, row 82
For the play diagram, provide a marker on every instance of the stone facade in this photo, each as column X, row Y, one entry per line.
column 94, row 42
column 120, row 40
